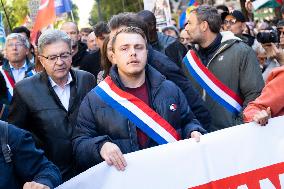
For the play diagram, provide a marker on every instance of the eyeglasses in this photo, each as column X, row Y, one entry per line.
column 230, row 22
column 54, row 58
column 11, row 45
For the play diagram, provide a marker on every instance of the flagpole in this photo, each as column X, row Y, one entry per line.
column 72, row 16
column 8, row 21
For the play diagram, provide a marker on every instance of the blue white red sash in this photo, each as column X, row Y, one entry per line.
column 10, row 82
column 136, row 111
column 213, row 86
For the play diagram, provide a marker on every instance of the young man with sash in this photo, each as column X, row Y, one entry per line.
column 132, row 109
column 223, row 68
column 15, row 67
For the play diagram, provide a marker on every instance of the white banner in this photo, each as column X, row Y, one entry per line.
column 241, row 157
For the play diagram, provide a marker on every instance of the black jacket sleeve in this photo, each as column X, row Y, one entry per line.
column 30, row 164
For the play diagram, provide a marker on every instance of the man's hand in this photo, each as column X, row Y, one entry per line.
column 196, row 135
column 34, row 185
column 262, row 116
column 273, row 52
column 112, row 155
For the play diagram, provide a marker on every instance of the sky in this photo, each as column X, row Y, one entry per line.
column 84, row 6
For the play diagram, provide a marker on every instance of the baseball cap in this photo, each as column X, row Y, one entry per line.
column 238, row 15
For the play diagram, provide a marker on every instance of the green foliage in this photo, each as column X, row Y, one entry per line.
column 16, row 11
column 112, row 7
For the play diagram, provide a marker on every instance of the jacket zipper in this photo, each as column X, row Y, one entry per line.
column 130, row 135
column 217, row 53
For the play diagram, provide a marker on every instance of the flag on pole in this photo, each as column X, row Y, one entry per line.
column 2, row 33
column 45, row 16
column 62, row 6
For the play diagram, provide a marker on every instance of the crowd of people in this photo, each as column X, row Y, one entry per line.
column 84, row 96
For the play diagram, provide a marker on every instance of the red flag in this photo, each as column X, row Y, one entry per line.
column 45, row 16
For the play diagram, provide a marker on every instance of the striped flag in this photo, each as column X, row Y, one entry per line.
column 2, row 33
column 258, row 4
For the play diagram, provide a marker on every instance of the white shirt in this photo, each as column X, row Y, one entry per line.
column 63, row 93
column 19, row 74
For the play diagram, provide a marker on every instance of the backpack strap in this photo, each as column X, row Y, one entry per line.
column 4, row 141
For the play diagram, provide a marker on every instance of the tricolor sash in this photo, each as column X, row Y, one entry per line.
column 10, row 83
column 211, row 84
column 145, row 118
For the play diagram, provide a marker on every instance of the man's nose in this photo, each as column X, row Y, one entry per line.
column 132, row 51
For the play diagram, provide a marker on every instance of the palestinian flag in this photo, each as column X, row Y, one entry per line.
column 259, row 4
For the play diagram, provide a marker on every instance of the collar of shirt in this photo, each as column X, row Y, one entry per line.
column 25, row 67
column 19, row 74
column 53, row 84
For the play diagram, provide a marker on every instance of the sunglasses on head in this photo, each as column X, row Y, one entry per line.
column 230, row 22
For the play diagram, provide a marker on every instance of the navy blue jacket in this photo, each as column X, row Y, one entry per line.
column 98, row 123
column 172, row 72
column 28, row 163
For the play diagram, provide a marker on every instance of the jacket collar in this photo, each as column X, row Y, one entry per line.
column 73, row 89
column 6, row 65
column 44, row 77
column 153, row 78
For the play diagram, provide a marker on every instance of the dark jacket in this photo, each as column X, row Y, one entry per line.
column 172, row 72
column 176, row 52
column 36, row 108
column 78, row 57
column 162, row 42
column 28, row 163
column 98, row 122
column 91, row 63
column 3, row 98
column 235, row 64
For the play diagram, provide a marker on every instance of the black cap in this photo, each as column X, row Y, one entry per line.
column 238, row 15
column 280, row 23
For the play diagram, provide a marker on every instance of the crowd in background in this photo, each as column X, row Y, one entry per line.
column 50, row 89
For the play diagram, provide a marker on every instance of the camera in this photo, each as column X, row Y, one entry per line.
column 268, row 37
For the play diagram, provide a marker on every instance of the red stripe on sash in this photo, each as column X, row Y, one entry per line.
column 11, row 80
column 214, row 79
column 144, row 107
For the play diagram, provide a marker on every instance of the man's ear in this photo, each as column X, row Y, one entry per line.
column 204, row 26
column 41, row 60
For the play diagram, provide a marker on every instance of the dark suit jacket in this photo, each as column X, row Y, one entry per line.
column 36, row 108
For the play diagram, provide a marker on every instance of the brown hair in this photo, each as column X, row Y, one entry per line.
column 105, row 62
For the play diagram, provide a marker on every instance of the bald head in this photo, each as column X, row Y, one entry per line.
column 72, row 31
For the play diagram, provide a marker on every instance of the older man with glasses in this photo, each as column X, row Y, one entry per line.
column 15, row 67
column 47, row 104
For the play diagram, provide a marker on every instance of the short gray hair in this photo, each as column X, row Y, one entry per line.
column 20, row 37
column 210, row 15
column 50, row 36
